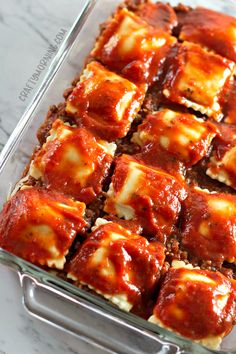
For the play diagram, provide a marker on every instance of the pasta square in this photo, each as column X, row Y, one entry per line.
column 222, row 165
column 150, row 195
column 158, row 15
column 130, row 46
column 110, row 261
column 196, row 78
column 211, row 29
column 40, row 226
column 208, row 225
column 181, row 134
column 73, row 161
column 230, row 104
column 187, row 295
column 104, row 102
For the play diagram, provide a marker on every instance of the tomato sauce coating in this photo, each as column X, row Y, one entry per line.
column 197, row 304
column 213, row 30
column 222, row 164
column 114, row 261
column 73, row 161
column 149, row 195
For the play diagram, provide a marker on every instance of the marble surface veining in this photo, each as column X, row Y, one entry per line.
column 27, row 29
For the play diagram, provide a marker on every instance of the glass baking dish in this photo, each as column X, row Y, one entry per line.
column 46, row 296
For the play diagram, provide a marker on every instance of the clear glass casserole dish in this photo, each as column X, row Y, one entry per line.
column 44, row 295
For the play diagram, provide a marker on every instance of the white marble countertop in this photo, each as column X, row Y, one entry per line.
column 27, row 28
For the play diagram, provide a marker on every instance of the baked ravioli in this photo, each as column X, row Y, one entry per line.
column 183, row 135
column 208, row 225
column 130, row 46
column 40, row 226
column 138, row 191
column 196, row 79
column 222, row 164
column 105, row 102
column 73, row 161
column 158, row 15
column 230, row 105
column 121, row 266
column 213, row 30
column 197, row 304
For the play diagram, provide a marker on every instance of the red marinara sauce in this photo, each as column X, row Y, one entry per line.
column 211, row 29
column 40, row 225
column 154, row 195
column 130, row 46
column 115, row 261
column 104, row 102
column 158, row 15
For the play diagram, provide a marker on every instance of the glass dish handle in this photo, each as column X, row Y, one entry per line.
column 96, row 327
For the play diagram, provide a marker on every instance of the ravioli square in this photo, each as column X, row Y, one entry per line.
column 73, row 161
column 196, row 79
column 105, row 102
column 196, row 304
column 130, row 46
column 222, row 165
column 40, row 226
column 209, row 224
column 150, row 195
column 111, row 260
column 183, row 135
column 211, row 29
column 230, row 104
column 158, row 15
